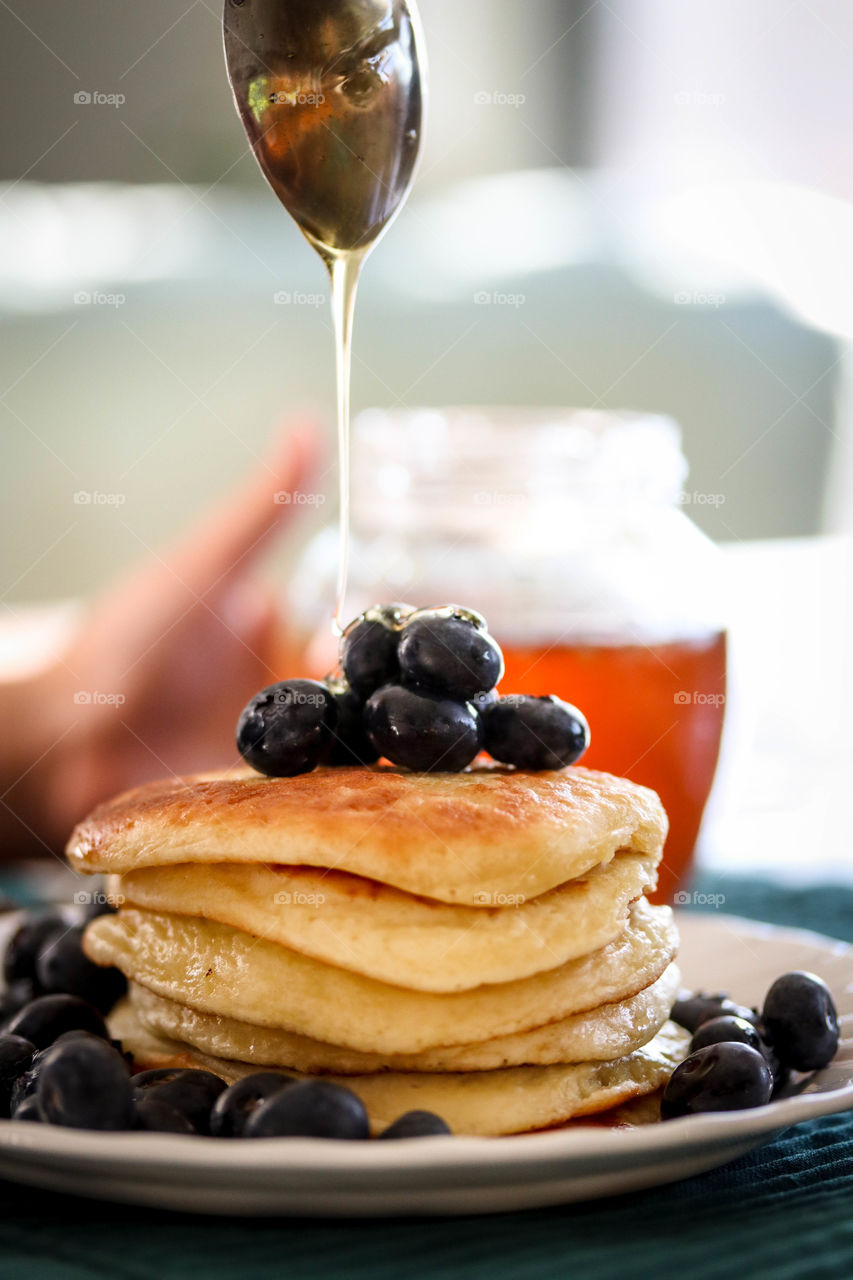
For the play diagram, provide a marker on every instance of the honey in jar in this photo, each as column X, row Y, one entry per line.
column 567, row 530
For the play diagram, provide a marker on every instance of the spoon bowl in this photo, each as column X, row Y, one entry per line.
column 330, row 95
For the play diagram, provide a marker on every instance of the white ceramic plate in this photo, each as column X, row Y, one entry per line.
column 461, row 1175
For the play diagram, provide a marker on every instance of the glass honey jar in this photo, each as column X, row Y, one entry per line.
column 567, row 529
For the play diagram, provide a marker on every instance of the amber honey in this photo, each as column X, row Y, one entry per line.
column 656, row 716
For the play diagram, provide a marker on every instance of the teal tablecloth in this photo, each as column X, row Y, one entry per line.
column 784, row 1211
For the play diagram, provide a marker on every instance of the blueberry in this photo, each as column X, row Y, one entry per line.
column 25, row 1085
column 19, row 960
column 449, row 655
column 726, row 1028
column 421, row 730
column 84, row 1084
column 778, row 1070
column 16, row 1056
column 46, row 1017
column 416, row 1124
column 310, row 1109
column 692, row 1009
column 351, row 744
column 287, row 728
column 369, row 651
column 801, row 1021
column 14, row 997
column 158, row 1117
column 483, row 700
column 62, row 966
column 720, row 1077
column 729, row 1026
column 238, row 1103
column 534, row 733
column 29, row 1110
column 189, row 1091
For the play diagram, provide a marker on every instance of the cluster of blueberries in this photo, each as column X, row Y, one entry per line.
column 418, row 687
column 58, row 1064
column 742, row 1058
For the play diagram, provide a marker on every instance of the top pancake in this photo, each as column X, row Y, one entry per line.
column 456, row 837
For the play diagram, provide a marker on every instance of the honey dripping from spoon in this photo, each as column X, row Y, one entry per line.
column 331, row 96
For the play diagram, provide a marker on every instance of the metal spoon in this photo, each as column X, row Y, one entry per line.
column 330, row 95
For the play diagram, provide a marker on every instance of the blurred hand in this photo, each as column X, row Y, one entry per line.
column 180, row 645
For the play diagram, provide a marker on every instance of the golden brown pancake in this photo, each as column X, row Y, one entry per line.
column 485, row 1103
column 392, row 936
column 597, row 1035
column 456, row 837
column 221, row 970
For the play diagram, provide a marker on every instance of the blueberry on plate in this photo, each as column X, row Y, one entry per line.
column 28, row 1110
column 151, row 1113
column 84, row 1083
column 726, row 1028
column 309, row 1109
column 534, row 733
column 62, row 966
column 25, row 1085
column 19, row 960
column 350, row 744
column 190, row 1091
column 26, row 1082
column 801, row 1021
column 15, row 997
column 780, row 1072
column 16, row 1057
column 450, row 655
column 369, row 649
column 422, row 731
column 233, row 1108
column 287, row 728
column 691, row 1009
column 416, row 1124
column 720, row 1077
column 44, row 1019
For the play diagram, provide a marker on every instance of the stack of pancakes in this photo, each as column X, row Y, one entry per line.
column 475, row 944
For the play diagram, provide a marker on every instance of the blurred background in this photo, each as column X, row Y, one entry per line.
column 664, row 185
column 633, row 204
